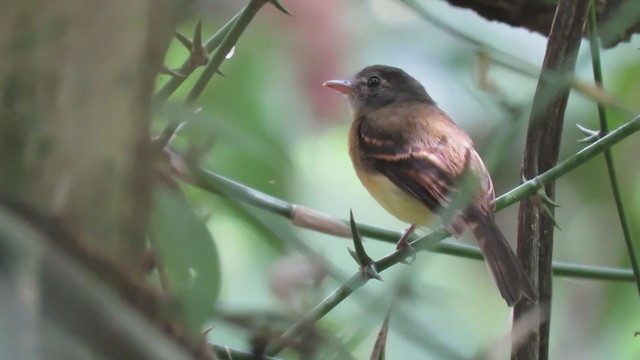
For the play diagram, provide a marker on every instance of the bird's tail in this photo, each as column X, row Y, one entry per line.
column 505, row 268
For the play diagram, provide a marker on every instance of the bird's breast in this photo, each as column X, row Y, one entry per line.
column 396, row 201
column 392, row 198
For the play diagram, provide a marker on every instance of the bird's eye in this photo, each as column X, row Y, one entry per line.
column 373, row 82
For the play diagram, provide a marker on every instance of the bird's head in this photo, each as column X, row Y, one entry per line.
column 378, row 85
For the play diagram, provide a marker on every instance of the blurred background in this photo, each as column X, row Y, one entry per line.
column 279, row 131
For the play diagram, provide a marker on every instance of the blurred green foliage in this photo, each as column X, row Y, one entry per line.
column 189, row 265
column 265, row 125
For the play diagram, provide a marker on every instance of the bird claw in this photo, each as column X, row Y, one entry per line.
column 409, row 249
column 404, row 245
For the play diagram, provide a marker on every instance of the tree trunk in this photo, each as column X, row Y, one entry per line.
column 76, row 82
column 535, row 229
column 75, row 89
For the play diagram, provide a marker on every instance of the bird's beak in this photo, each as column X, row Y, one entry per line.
column 344, row 86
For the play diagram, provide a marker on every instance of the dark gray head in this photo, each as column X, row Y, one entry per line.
column 379, row 85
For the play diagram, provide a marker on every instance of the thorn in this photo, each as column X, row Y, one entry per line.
column 197, row 34
column 165, row 70
column 380, row 346
column 206, row 331
column 183, row 40
column 354, row 256
column 591, row 135
column 544, row 203
column 587, row 131
column 368, row 270
column 198, row 52
column 546, row 211
column 545, row 198
column 589, row 139
column 541, row 193
column 371, row 272
column 367, row 265
column 198, row 55
column 280, row 7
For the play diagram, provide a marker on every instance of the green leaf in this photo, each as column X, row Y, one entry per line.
column 187, row 257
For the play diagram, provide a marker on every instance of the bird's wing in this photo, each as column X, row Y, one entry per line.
column 425, row 165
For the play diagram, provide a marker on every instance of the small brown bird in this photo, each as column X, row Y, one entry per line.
column 411, row 157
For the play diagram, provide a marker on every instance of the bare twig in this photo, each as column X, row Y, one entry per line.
column 608, row 157
column 535, row 231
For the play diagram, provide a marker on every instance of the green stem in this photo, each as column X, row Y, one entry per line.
column 356, row 281
column 218, row 184
column 186, row 68
column 224, row 40
column 530, row 187
column 602, row 115
column 434, row 242
column 246, row 15
column 431, row 242
column 233, row 190
column 323, row 308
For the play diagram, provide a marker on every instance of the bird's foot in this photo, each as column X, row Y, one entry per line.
column 404, row 245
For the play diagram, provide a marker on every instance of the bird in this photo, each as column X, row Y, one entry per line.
column 415, row 162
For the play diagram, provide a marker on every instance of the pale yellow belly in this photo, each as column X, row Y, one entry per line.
column 397, row 202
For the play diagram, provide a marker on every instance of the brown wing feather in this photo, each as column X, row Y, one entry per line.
column 427, row 161
column 418, row 177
